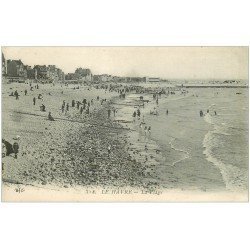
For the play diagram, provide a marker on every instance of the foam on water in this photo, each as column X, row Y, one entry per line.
column 170, row 134
column 186, row 156
column 233, row 177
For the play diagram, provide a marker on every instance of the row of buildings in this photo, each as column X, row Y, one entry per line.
column 119, row 79
column 86, row 75
column 15, row 70
column 80, row 74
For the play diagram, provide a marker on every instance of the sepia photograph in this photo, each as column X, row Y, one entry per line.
column 122, row 124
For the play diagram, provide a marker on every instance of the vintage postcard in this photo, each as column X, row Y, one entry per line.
column 133, row 124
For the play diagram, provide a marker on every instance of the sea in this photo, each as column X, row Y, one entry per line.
column 184, row 150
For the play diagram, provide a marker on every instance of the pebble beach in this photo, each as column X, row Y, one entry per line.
column 71, row 151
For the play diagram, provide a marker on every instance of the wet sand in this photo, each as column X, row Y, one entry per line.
column 183, row 161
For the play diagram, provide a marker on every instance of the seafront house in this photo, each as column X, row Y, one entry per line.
column 16, row 71
column 42, row 72
column 71, row 76
column 80, row 75
column 31, row 73
column 119, row 79
column 102, row 78
column 52, row 73
column 4, row 66
column 84, row 74
column 61, row 75
column 96, row 78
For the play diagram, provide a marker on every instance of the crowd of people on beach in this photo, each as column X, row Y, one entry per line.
column 208, row 112
column 83, row 109
column 8, row 148
column 84, row 106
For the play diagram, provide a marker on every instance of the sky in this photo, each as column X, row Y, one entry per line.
column 163, row 62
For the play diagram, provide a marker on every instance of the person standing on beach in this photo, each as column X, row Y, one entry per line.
column 67, row 107
column 15, row 149
column 34, row 101
column 73, row 103
column 62, row 108
column 109, row 150
column 109, row 112
column 149, row 129
column 8, row 146
column 140, row 126
column 138, row 113
column 77, row 105
column 201, row 113
column 25, row 91
column 87, row 110
column 215, row 113
column 50, row 117
column 167, row 112
column 114, row 112
column 16, row 95
column 134, row 115
column 81, row 110
column 43, row 108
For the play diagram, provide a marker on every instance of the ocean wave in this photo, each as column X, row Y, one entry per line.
column 186, row 156
column 218, row 129
column 233, row 177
